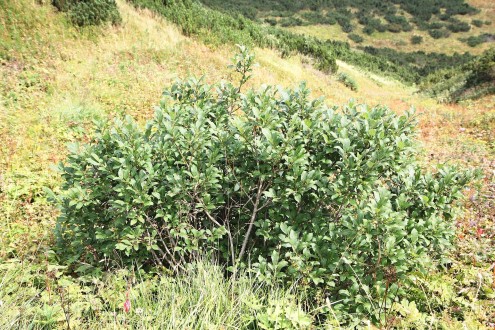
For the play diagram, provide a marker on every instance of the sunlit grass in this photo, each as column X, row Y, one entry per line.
column 40, row 297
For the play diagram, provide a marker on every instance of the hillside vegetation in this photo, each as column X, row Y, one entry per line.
column 476, row 78
column 88, row 269
column 214, row 27
column 433, row 26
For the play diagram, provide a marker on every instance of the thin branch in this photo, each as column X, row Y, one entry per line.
column 251, row 222
column 229, row 234
column 173, row 261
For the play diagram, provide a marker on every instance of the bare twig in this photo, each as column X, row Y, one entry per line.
column 229, row 234
column 251, row 221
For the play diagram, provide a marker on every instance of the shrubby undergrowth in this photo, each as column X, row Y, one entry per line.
column 269, row 180
column 89, row 12
column 423, row 63
column 472, row 80
column 371, row 14
column 217, row 28
column 347, row 81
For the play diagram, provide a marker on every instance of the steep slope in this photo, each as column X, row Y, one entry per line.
column 56, row 79
column 380, row 24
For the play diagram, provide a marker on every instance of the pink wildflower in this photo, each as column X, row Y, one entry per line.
column 127, row 304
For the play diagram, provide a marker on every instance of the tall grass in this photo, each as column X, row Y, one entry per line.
column 40, row 297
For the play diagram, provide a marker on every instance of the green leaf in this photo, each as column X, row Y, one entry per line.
column 120, row 246
column 414, row 235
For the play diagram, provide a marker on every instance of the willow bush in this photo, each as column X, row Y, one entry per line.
column 267, row 179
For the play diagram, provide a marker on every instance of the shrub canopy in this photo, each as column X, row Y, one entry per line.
column 269, row 178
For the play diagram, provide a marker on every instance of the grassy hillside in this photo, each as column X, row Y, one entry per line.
column 56, row 79
column 215, row 27
column 444, row 26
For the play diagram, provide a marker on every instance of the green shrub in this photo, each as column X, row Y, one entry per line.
column 444, row 17
column 397, row 23
column 271, row 178
column 368, row 30
column 482, row 70
column 423, row 63
column 347, row 26
column 290, row 21
column 347, row 81
column 326, row 62
column 443, row 84
column 469, row 81
column 271, row 21
column 416, row 40
column 477, row 22
column 89, row 12
column 372, row 25
column 458, row 26
column 313, row 17
column 63, row 5
column 330, row 19
column 474, row 41
column 438, row 33
column 436, row 25
column 355, row 37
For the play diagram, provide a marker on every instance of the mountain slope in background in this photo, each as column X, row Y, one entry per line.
column 438, row 26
